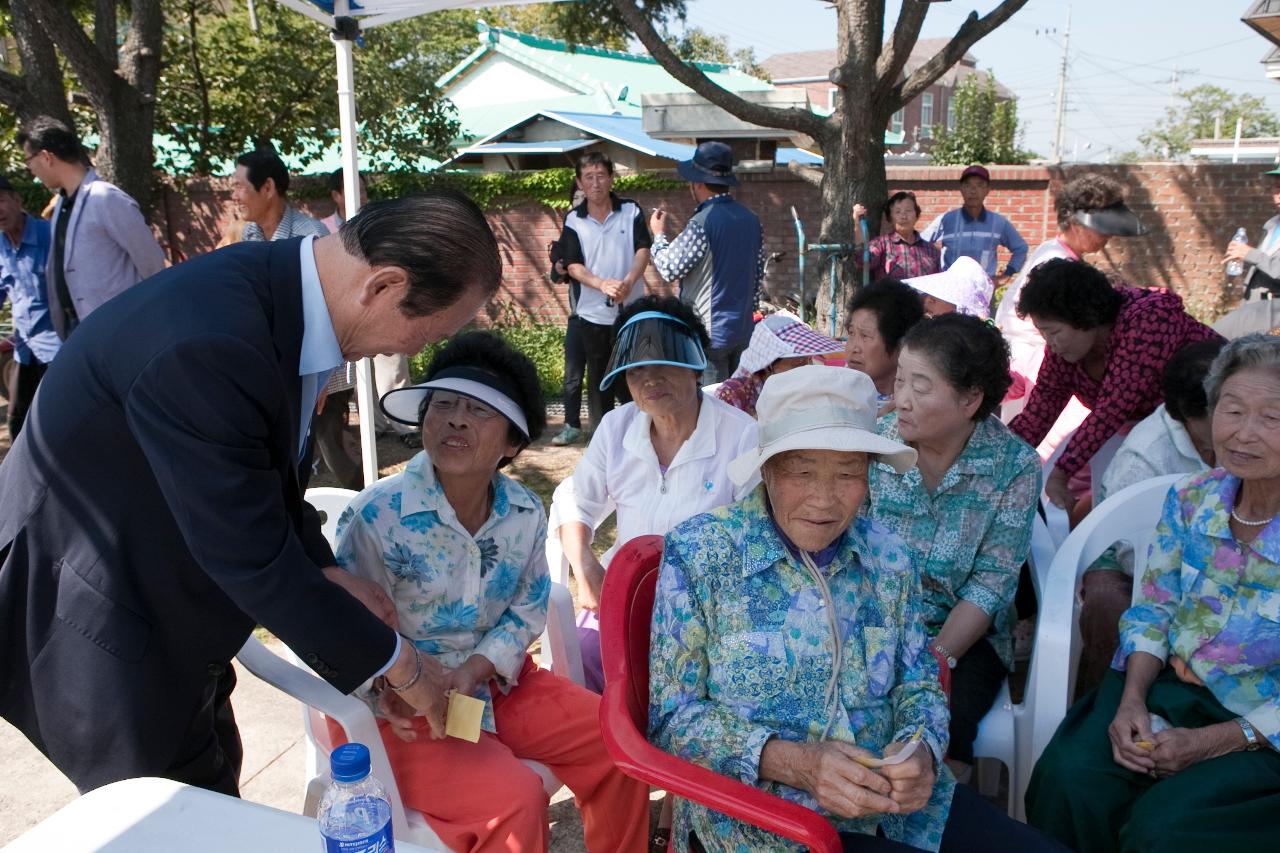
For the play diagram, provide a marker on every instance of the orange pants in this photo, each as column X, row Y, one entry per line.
column 479, row 797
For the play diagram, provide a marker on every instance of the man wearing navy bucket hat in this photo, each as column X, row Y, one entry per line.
column 718, row 258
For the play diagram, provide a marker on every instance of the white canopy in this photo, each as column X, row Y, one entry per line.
column 345, row 19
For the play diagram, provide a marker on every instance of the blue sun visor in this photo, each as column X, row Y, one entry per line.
column 652, row 337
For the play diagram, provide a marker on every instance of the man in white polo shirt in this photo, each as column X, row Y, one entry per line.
column 606, row 249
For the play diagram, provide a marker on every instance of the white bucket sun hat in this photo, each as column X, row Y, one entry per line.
column 818, row 408
column 965, row 284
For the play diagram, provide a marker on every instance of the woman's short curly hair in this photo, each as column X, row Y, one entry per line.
column 897, row 308
column 1070, row 292
column 900, row 195
column 968, row 352
column 1090, row 191
column 488, row 352
column 667, row 305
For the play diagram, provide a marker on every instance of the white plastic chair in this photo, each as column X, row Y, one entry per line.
column 1006, row 725
column 1130, row 516
column 329, row 502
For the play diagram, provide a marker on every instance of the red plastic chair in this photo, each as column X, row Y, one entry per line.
column 626, row 608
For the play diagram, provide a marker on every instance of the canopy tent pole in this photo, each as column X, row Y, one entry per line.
column 345, row 32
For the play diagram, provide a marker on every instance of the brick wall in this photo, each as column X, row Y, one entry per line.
column 1191, row 212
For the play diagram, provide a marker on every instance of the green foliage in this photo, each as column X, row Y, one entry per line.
column 539, row 338
column 225, row 87
column 698, row 45
column 497, row 190
column 589, row 22
column 986, row 128
column 1170, row 137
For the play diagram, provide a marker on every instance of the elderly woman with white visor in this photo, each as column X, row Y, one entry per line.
column 657, row 460
column 789, row 648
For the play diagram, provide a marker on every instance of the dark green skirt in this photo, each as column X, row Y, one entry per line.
column 1080, row 796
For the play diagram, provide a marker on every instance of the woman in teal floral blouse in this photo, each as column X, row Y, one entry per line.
column 1177, row 749
column 965, row 509
column 789, row 648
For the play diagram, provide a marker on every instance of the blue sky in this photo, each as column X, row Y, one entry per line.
column 1124, row 54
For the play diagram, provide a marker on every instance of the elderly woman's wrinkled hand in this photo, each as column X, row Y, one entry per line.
column 912, row 780
column 1177, row 749
column 1130, row 733
column 841, row 785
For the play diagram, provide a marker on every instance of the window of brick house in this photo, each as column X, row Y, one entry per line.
column 895, row 123
column 951, row 114
column 926, row 115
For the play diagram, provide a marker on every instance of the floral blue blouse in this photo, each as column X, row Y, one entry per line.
column 742, row 653
column 455, row 594
column 1212, row 601
column 970, row 537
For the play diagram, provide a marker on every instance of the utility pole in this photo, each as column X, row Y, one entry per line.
column 1062, row 93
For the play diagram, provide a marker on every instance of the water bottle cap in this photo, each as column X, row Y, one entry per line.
column 349, row 762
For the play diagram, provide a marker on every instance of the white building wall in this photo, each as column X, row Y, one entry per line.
column 498, row 80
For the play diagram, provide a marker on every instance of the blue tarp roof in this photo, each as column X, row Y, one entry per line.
column 549, row 146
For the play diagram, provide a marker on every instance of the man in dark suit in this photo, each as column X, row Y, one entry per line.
column 151, row 511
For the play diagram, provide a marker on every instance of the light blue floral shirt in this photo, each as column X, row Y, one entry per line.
column 1212, row 601
column 455, row 594
column 972, row 535
column 742, row 652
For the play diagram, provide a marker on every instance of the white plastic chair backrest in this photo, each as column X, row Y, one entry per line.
column 352, row 714
column 1130, row 516
column 1041, row 555
column 1055, row 518
column 329, row 502
column 1101, row 460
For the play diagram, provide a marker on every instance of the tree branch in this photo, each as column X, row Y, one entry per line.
column 809, row 174
column 905, row 34
column 81, row 53
column 801, row 121
column 13, row 91
column 104, row 29
column 970, row 31
column 41, row 74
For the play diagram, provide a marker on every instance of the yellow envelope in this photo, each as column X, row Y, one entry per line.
column 464, row 715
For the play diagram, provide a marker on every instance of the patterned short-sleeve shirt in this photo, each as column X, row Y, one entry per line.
column 742, row 652
column 971, row 536
column 455, row 594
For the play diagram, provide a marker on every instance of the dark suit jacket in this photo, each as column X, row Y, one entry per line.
column 151, row 514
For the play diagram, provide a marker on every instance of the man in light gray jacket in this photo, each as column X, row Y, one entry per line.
column 101, row 244
column 1262, row 262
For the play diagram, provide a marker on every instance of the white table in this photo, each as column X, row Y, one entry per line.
column 140, row 815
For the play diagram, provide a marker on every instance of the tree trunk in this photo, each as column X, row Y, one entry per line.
column 41, row 91
column 124, row 153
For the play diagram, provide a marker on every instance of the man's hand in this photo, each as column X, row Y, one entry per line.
column 913, row 779
column 840, row 784
column 367, row 593
column 1130, row 732
column 427, row 693
column 658, row 220
column 1057, row 490
column 1237, row 251
column 614, row 289
column 590, row 581
column 399, row 715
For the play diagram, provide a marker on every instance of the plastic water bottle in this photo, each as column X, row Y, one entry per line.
column 1237, row 267
column 355, row 812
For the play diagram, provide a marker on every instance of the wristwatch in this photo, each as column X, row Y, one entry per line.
column 946, row 655
column 1255, row 743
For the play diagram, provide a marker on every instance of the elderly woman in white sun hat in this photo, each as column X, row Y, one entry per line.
column 779, row 342
column 789, row 649
column 962, row 288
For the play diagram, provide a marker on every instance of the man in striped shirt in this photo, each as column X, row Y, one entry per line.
column 973, row 231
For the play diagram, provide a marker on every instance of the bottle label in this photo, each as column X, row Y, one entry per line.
column 379, row 842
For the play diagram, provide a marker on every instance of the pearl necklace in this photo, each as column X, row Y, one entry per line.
column 1247, row 523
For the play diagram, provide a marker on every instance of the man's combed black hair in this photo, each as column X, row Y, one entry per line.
column 667, row 305
column 490, row 353
column 968, row 352
column 263, row 163
column 1070, row 292
column 44, row 133
column 897, row 308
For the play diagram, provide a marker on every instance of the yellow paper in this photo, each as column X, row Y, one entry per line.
column 464, row 715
